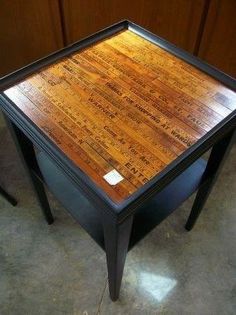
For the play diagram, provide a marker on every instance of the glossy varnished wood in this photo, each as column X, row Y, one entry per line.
column 124, row 104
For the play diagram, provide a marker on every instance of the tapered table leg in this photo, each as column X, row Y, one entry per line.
column 42, row 198
column 215, row 162
column 8, row 197
column 27, row 154
column 116, row 238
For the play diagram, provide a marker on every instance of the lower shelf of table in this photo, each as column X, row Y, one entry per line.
column 145, row 219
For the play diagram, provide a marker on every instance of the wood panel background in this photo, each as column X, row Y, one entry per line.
column 175, row 20
column 28, row 30
column 218, row 44
column 32, row 29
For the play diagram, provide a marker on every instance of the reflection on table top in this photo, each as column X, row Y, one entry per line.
column 123, row 109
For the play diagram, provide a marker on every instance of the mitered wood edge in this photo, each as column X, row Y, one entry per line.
column 119, row 211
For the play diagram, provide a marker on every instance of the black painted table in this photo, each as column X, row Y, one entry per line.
column 115, row 125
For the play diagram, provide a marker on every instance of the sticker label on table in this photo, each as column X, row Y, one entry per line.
column 113, row 177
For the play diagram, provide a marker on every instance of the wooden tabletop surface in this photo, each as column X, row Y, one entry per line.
column 123, row 109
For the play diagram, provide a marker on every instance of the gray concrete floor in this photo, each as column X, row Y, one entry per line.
column 58, row 269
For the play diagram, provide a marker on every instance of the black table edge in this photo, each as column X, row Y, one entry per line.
column 86, row 185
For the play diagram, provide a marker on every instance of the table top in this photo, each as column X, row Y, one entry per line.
column 123, row 109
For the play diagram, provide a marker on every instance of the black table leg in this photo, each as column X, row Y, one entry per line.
column 116, row 238
column 42, row 198
column 8, row 197
column 216, row 160
column 26, row 151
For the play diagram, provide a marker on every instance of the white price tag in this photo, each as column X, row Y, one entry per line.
column 113, row 177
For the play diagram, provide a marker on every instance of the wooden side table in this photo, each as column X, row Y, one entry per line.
column 121, row 118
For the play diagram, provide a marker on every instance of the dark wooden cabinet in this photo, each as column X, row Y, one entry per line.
column 175, row 20
column 218, row 43
column 28, row 30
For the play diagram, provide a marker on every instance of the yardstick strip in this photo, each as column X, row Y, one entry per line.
column 124, row 104
column 197, row 86
column 61, row 139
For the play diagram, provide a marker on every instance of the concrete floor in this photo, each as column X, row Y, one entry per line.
column 59, row 269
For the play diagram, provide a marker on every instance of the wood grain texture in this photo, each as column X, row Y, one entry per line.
column 218, row 44
column 123, row 104
column 175, row 20
column 29, row 30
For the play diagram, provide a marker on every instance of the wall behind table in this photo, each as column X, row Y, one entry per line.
column 176, row 20
column 29, row 30
column 218, row 43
